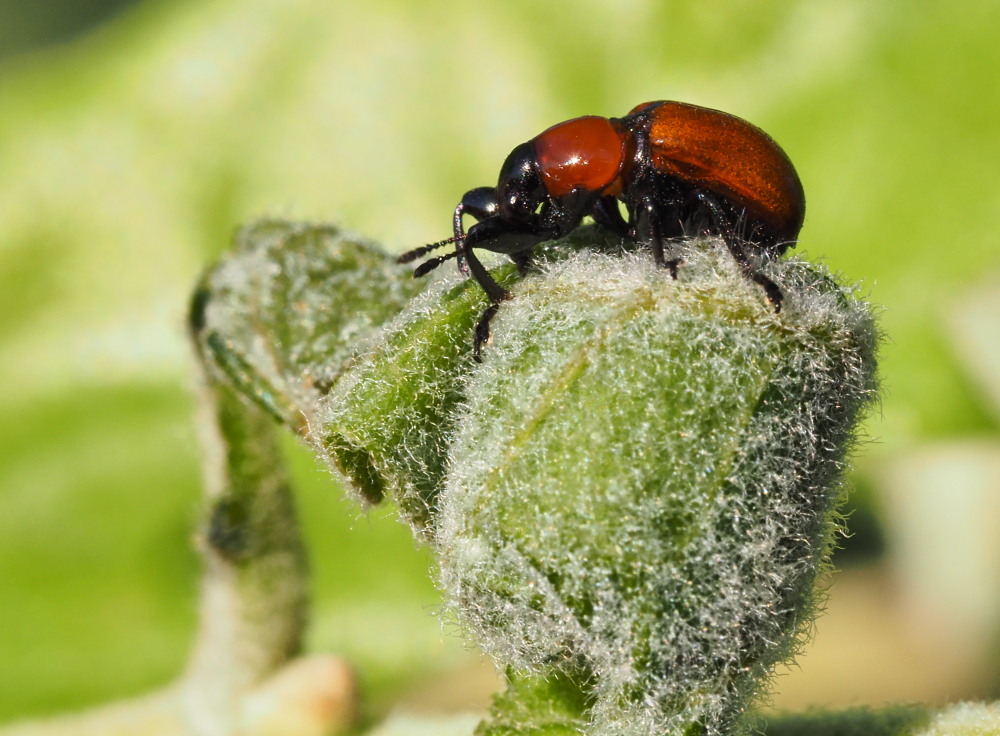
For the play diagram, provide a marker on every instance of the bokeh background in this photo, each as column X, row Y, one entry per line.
column 134, row 136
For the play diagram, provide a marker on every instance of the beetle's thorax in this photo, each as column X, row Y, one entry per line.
column 581, row 154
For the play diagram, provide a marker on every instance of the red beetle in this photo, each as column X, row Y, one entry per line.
column 674, row 165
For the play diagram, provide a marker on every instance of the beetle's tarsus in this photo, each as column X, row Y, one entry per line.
column 771, row 289
column 483, row 332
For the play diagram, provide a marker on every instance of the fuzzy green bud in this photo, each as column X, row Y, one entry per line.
column 644, row 476
column 636, row 490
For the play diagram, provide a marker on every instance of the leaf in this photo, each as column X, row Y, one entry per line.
column 281, row 316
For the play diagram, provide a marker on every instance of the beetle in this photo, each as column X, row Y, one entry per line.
column 675, row 166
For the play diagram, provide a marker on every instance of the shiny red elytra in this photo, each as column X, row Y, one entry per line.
column 679, row 169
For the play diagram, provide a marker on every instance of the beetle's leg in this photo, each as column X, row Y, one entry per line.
column 523, row 260
column 648, row 228
column 496, row 294
column 483, row 332
column 507, row 236
column 726, row 227
column 723, row 222
column 771, row 289
column 513, row 237
column 606, row 214
column 649, row 197
column 481, row 203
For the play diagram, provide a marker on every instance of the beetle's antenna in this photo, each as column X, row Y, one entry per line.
column 412, row 255
column 431, row 263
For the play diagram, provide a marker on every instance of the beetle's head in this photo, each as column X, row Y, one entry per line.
column 520, row 189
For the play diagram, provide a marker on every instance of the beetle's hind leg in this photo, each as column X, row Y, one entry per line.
column 725, row 222
column 771, row 289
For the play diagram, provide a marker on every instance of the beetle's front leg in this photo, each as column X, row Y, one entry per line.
column 483, row 332
column 513, row 237
column 496, row 294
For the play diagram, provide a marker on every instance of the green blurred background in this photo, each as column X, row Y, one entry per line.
column 135, row 136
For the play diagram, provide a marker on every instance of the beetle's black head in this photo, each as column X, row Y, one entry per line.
column 520, row 189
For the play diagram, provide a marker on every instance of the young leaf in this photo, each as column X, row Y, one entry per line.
column 283, row 313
